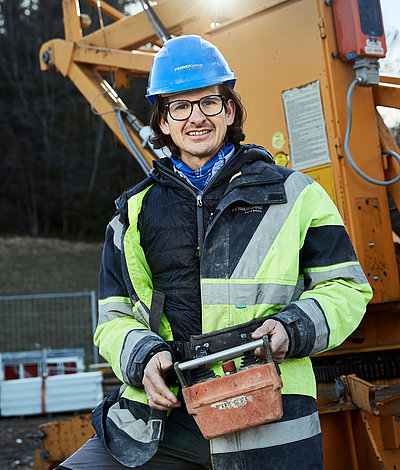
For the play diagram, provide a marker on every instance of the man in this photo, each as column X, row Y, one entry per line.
column 216, row 236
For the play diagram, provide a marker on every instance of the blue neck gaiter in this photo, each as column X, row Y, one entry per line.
column 199, row 178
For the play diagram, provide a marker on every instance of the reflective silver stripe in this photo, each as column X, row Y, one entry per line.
column 141, row 314
column 112, row 310
column 299, row 289
column 117, row 226
column 226, row 293
column 137, row 429
column 316, row 315
column 268, row 229
column 268, row 435
column 132, row 338
column 351, row 273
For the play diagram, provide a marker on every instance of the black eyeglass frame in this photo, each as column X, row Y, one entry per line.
column 192, row 103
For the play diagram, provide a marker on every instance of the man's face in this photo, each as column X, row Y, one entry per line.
column 199, row 137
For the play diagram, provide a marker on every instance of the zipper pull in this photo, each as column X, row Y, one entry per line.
column 199, row 201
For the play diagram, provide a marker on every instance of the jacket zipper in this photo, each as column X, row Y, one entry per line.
column 199, row 202
column 200, row 223
column 199, row 207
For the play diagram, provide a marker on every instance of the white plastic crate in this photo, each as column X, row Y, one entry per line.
column 81, row 391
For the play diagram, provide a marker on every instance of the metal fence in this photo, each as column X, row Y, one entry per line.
column 49, row 321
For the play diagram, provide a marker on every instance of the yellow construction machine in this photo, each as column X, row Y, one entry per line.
column 308, row 75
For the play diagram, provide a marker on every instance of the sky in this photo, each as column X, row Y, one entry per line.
column 391, row 64
column 391, row 12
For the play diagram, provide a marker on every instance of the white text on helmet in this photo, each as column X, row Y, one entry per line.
column 189, row 66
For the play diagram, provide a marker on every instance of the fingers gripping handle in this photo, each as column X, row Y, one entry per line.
column 227, row 354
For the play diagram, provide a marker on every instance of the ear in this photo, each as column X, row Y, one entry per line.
column 230, row 112
column 164, row 126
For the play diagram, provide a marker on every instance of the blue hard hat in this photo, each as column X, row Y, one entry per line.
column 185, row 63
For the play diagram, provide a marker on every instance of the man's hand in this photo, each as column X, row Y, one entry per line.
column 159, row 395
column 278, row 340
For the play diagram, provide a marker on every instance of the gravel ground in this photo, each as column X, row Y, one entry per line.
column 16, row 450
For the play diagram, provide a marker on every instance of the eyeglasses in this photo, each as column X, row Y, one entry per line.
column 179, row 110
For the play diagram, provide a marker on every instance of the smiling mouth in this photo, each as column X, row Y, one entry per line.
column 194, row 133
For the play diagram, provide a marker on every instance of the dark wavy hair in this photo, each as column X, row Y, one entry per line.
column 234, row 133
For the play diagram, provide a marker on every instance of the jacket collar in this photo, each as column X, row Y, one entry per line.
column 248, row 163
column 245, row 155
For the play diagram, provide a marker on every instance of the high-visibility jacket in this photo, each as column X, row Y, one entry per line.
column 262, row 240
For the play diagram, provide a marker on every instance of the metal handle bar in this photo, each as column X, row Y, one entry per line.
column 228, row 353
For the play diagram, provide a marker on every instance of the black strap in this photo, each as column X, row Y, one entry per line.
column 156, row 310
column 216, row 341
column 182, row 350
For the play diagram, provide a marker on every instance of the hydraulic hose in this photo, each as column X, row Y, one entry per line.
column 347, row 150
column 160, row 30
column 131, row 145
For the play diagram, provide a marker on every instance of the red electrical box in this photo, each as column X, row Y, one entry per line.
column 241, row 399
column 237, row 401
column 359, row 29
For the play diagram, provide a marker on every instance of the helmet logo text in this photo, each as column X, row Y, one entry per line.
column 189, row 67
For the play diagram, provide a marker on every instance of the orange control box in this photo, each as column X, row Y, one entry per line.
column 359, row 29
column 236, row 401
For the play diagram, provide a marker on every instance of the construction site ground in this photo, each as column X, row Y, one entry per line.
column 17, row 451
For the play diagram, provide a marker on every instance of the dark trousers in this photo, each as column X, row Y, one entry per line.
column 292, row 443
